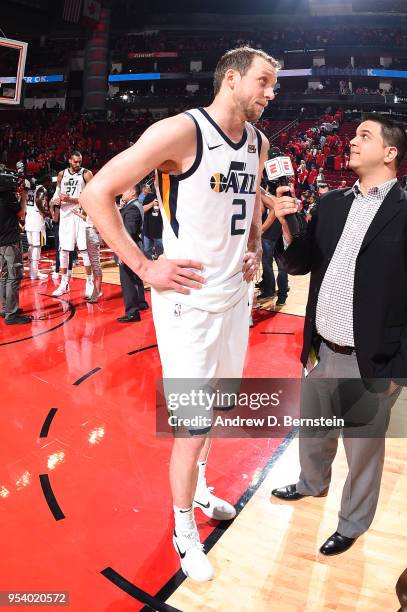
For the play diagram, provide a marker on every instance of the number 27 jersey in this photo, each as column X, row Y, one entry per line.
column 72, row 184
column 208, row 210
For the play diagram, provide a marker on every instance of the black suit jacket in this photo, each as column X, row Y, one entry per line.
column 380, row 288
column 132, row 220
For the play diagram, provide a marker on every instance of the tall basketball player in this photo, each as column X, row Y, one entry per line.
column 35, row 227
column 72, row 228
column 208, row 163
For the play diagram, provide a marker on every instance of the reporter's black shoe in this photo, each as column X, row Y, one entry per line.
column 17, row 320
column 134, row 318
column 336, row 544
column 290, row 493
column 143, row 306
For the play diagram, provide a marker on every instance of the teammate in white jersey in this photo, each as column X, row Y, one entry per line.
column 72, row 228
column 209, row 162
column 35, row 227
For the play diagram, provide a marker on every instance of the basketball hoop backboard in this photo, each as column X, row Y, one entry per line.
column 13, row 54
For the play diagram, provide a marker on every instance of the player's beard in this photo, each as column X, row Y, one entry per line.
column 253, row 112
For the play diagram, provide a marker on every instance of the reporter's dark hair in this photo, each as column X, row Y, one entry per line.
column 392, row 134
column 239, row 59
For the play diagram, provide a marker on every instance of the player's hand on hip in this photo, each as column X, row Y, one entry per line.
column 251, row 264
column 285, row 204
column 178, row 275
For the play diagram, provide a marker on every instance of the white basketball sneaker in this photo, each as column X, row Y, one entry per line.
column 35, row 274
column 214, row 507
column 63, row 288
column 38, row 276
column 88, row 289
column 55, row 275
column 194, row 563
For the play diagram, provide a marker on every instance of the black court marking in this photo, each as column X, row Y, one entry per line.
column 136, row 592
column 278, row 333
column 145, row 348
column 50, row 498
column 47, row 423
column 85, row 376
column 173, row 583
column 47, row 331
column 277, row 312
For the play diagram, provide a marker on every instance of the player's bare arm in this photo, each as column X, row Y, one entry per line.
column 54, row 210
column 40, row 200
column 169, row 145
column 252, row 259
column 56, row 199
column 23, row 204
column 87, row 175
column 147, row 207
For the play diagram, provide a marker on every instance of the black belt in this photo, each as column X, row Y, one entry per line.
column 337, row 348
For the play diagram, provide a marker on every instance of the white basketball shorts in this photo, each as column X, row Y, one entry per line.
column 199, row 350
column 72, row 231
column 195, row 343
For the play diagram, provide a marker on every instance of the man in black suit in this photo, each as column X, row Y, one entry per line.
column 269, row 238
column 133, row 288
column 355, row 332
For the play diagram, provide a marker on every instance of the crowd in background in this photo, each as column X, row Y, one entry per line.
column 43, row 139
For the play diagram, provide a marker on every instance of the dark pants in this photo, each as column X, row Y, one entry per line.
column 133, row 289
column 56, row 241
column 11, row 273
column 268, row 283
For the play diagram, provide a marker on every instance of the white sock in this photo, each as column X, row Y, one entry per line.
column 89, row 278
column 201, row 483
column 64, row 279
column 184, row 519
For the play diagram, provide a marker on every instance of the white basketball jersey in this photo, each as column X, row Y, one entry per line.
column 71, row 185
column 34, row 221
column 207, row 212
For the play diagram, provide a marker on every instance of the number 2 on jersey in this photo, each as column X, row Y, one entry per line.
column 239, row 216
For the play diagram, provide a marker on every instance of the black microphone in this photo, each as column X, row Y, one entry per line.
column 278, row 169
